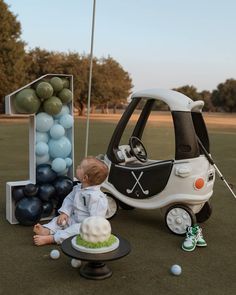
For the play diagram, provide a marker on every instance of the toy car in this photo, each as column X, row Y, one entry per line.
column 180, row 187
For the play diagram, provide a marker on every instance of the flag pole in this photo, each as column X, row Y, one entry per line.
column 90, row 80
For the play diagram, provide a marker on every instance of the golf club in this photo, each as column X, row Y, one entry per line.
column 211, row 161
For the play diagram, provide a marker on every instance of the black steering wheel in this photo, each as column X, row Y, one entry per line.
column 138, row 149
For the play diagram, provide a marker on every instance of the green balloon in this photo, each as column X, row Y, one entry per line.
column 34, row 86
column 26, row 101
column 52, row 106
column 66, row 82
column 44, row 90
column 65, row 95
column 56, row 83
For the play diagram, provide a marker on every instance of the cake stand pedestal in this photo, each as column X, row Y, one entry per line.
column 96, row 268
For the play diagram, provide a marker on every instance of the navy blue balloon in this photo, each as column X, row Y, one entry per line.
column 18, row 193
column 30, row 190
column 63, row 186
column 28, row 211
column 46, row 192
column 47, row 209
column 45, row 174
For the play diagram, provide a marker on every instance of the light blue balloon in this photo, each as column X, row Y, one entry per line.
column 58, row 165
column 43, row 122
column 42, row 137
column 68, row 162
column 59, row 148
column 66, row 121
column 64, row 172
column 41, row 149
column 65, row 110
column 42, row 159
column 57, row 131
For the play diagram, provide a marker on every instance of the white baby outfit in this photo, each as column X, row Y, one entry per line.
column 79, row 204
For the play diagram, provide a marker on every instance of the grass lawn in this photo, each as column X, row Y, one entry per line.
column 27, row 269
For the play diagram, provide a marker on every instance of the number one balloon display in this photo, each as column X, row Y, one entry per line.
column 48, row 101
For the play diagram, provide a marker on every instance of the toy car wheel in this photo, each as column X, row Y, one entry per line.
column 204, row 213
column 113, row 206
column 178, row 218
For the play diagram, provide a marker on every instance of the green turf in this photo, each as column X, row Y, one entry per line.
column 27, row 269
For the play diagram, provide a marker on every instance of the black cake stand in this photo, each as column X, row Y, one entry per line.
column 95, row 268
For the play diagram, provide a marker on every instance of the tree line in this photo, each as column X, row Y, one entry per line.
column 111, row 84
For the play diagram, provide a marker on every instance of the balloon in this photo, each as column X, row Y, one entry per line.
column 56, row 83
column 65, row 110
column 66, row 82
column 30, row 190
column 58, row 165
column 66, row 121
column 57, row 131
column 63, row 186
column 43, row 122
column 44, row 90
column 42, row 159
column 42, row 137
column 47, row 209
column 26, row 101
column 65, row 95
column 59, row 148
column 68, row 162
column 18, row 193
column 64, row 172
column 41, row 149
column 52, row 106
column 44, row 174
column 28, row 210
column 46, row 192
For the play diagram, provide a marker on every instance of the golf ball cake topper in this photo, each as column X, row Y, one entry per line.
column 48, row 101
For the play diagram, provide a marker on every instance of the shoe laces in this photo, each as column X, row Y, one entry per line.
column 189, row 234
column 199, row 232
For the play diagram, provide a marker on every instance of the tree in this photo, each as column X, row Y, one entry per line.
column 41, row 62
column 224, row 97
column 205, row 95
column 12, row 53
column 112, row 83
column 189, row 91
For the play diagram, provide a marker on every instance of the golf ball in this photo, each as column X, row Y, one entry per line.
column 176, row 270
column 54, row 254
column 75, row 263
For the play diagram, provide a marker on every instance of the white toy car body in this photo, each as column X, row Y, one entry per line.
column 180, row 187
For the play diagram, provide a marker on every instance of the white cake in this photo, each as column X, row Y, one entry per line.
column 95, row 236
column 95, row 229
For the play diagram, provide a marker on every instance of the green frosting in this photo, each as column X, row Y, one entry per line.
column 79, row 241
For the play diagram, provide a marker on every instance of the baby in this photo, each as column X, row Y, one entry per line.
column 86, row 199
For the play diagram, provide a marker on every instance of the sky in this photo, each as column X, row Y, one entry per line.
column 161, row 43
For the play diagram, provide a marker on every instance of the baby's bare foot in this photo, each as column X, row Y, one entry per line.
column 41, row 230
column 43, row 240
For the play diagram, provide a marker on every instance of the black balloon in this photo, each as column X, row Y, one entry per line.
column 45, row 174
column 46, row 192
column 47, row 209
column 30, row 190
column 18, row 193
column 28, row 211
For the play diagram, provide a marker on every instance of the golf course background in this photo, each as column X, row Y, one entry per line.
column 27, row 269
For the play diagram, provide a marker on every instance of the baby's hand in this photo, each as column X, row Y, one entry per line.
column 62, row 219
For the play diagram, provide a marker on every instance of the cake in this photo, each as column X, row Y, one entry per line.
column 95, row 236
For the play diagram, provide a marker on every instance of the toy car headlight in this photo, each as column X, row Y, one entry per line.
column 199, row 183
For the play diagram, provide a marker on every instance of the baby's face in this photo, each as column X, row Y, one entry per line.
column 80, row 172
